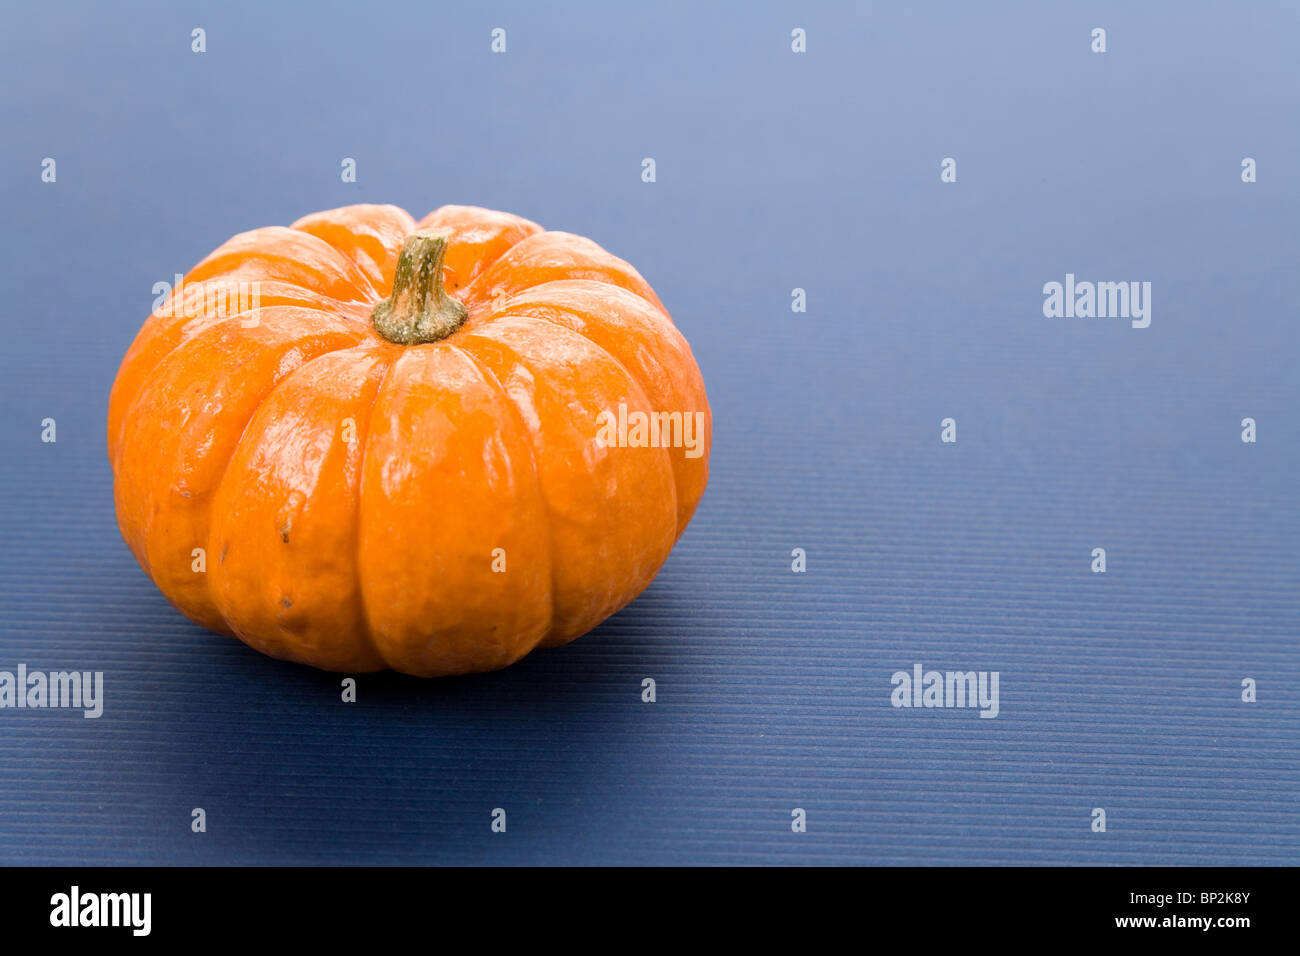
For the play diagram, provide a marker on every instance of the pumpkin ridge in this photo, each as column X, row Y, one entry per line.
column 150, row 522
column 505, row 252
column 490, row 377
column 590, row 272
column 457, row 436
column 524, row 313
column 356, row 514
column 279, row 383
column 147, row 379
column 487, row 261
column 199, row 325
column 267, row 243
column 667, row 352
column 189, row 336
column 635, row 389
column 261, row 399
column 362, row 240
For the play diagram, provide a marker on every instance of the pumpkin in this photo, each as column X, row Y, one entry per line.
column 365, row 442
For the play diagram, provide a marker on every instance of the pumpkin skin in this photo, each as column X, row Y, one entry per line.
column 353, row 495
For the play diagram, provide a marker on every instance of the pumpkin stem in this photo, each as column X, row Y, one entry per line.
column 419, row 310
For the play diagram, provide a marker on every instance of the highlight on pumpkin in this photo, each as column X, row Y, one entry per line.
column 430, row 448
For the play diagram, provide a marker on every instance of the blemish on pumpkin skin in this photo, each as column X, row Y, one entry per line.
column 285, row 528
column 286, row 602
column 224, row 548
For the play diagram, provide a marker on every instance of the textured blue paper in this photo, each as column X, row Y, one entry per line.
column 774, row 171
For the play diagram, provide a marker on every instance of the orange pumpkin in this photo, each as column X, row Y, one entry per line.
column 364, row 442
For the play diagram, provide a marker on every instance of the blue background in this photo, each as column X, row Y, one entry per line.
column 775, row 171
